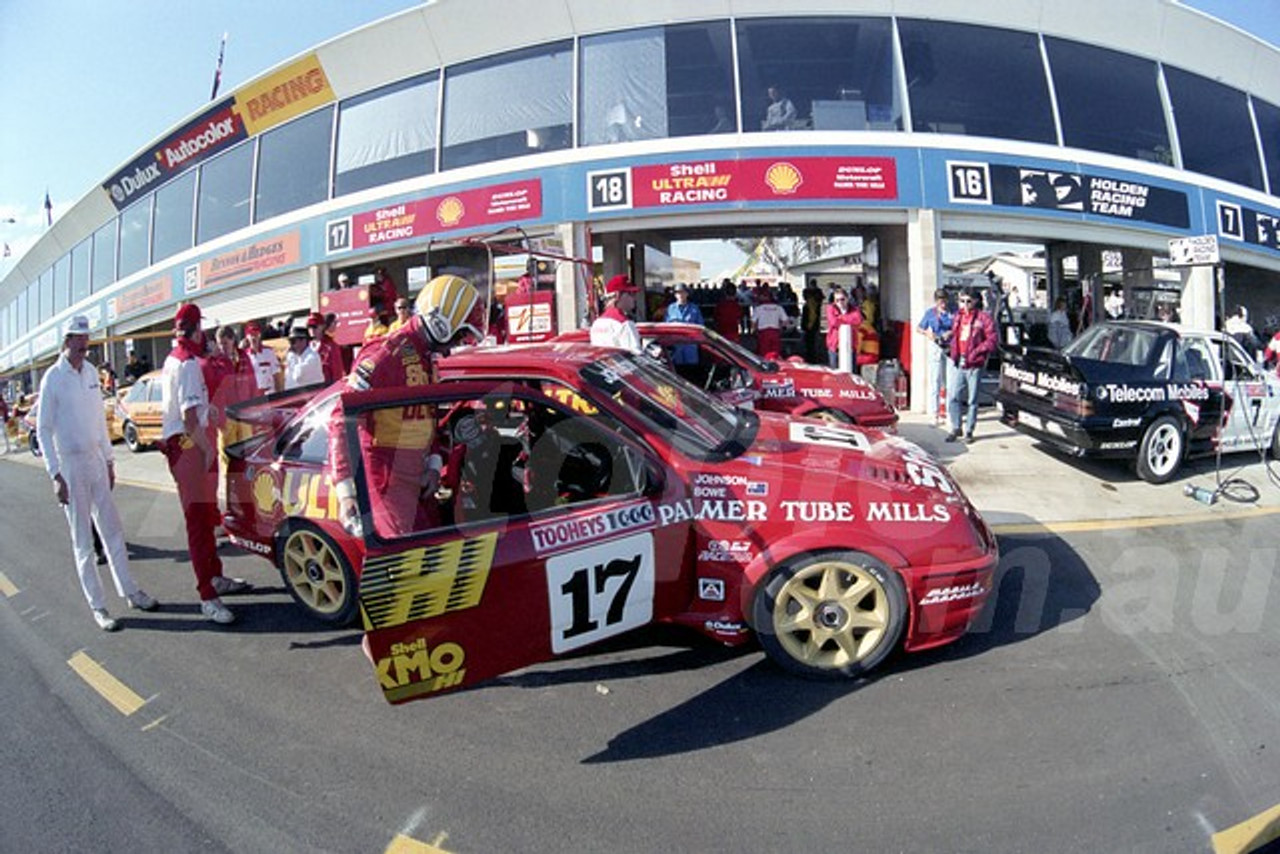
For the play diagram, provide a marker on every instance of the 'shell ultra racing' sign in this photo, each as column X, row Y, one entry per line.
column 975, row 183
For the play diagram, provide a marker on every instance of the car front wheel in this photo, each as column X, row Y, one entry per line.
column 318, row 575
column 1161, row 450
column 830, row 616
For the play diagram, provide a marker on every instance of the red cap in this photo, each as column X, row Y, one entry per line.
column 619, row 284
column 315, row 319
column 252, row 328
column 188, row 316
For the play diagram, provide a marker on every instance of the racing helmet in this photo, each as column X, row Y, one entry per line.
column 449, row 305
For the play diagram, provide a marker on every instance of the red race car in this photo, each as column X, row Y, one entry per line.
column 735, row 374
column 587, row 492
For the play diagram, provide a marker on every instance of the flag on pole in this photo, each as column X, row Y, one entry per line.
column 217, row 72
column 7, row 253
column 48, row 209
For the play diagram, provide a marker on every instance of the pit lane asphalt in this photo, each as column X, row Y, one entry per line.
column 1016, row 483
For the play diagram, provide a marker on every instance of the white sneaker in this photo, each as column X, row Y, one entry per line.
column 104, row 621
column 213, row 609
column 142, row 601
column 223, row 585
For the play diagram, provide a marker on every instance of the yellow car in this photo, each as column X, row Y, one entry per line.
column 138, row 413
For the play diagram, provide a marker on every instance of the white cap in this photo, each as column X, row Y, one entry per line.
column 78, row 325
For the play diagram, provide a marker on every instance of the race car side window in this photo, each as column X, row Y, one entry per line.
column 307, row 441
column 1199, row 359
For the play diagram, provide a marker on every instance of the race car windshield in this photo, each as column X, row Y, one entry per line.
column 1126, row 345
column 696, row 423
column 759, row 364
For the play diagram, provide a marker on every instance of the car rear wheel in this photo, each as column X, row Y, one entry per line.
column 1161, row 450
column 318, row 575
column 1275, row 442
column 130, row 433
column 830, row 616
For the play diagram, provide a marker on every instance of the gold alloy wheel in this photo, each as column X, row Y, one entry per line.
column 831, row 614
column 316, row 573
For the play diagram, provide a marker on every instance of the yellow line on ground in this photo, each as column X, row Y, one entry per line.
column 1249, row 835
column 7, row 587
column 1134, row 522
column 408, row 845
column 112, row 689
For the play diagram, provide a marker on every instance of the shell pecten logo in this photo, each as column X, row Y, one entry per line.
column 265, row 492
column 450, row 211
column 783, row 178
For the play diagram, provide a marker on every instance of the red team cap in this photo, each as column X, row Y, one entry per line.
column 619, row 284
column 188, row 316
column 315, row 319
column 252, row 328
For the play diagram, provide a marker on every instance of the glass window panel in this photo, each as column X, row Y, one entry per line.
column 80, row 271
column 135, row 231
column 223, row 205
column 509, row 105
column 62, row 283
column 45, row 310
column 656, row 82
column 23, row 321
column 174, row 217
column 104, row 256
column 977, row 81
column 293, row 165
column 1109, row 101
column 1215, row 133
column 387, row 135
column 33, row 305
column 818, row 74
column 1268, row 117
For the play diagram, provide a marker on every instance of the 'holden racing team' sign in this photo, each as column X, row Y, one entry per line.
column 977, row 183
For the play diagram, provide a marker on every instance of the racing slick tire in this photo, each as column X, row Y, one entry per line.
column 130, row 434
column 1161, row 450
column 830, row 615
column 1275, row 442
column 318, row 574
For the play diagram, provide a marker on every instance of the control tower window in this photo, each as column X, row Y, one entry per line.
column 976, row 81
column 1215, row 132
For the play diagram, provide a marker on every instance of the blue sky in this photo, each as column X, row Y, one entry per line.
column 80, row 99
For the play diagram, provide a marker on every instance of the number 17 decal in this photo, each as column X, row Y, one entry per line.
column 601, row 591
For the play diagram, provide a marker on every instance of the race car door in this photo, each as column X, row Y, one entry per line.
column 501, row 573
column 1255, row 406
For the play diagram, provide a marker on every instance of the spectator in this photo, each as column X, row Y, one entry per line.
column 841, row 313
column 329, row 351
column 134, row 367
column 745, row 301
column 614, row 327
column 188, row 445
column 302, row 363
column 1059, row 324
column 4, row 423
column 936, row 327
column 1239, row 328
column 811, row 323
column 781, row 113
column 77, row 455
column 344, row 281
column 972, row 343
column 728, row 312
column 382, row 302
column 404, row 311
column 228, row 377
column 768, row 319
column 263, row 360
column 683, row 311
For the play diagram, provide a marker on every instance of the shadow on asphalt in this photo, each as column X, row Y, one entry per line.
column 1040, row 583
